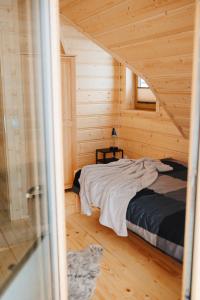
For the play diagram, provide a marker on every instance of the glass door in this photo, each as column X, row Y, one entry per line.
column 29, row 229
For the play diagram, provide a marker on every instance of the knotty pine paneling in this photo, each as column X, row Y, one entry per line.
column 173, row 22
column 154, row 38
column 124, row 14
column 98, row 110
column 173, row 65
column 89, row 10
column 144, row 135
column 92, row 96
column 179, row 44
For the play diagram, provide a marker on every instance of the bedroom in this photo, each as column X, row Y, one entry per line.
column 128, row 96
column 104, row 47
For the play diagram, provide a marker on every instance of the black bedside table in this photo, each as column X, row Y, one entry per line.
column 106, row 160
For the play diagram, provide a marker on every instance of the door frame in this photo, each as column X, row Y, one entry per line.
column 50, row 34
column 191, row 267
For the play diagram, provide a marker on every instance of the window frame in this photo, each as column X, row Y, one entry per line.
column 128, row 93
column 140, row 104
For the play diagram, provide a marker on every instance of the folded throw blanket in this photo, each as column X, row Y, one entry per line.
column 110, row 187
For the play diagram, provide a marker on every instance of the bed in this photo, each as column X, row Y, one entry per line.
column 157, row 213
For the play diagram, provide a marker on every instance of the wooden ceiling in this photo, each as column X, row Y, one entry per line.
column 153, row 37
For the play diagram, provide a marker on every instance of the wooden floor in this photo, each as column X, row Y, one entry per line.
column 130, row 268
column 16, row 238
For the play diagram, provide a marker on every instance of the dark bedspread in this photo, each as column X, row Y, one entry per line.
column 157, row 213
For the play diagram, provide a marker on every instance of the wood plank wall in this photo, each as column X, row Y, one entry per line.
column 151, row 134
column 153, row 37
column 97, row 93
column 148, row 133
column 140, row 133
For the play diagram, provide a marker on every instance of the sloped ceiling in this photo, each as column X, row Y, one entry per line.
column 153, row 37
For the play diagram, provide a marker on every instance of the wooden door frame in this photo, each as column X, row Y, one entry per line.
column 74, row 123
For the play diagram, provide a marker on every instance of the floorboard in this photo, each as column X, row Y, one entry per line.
column 16, row 239
column 131, row 268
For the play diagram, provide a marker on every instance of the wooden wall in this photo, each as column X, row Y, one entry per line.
column 153, row 37
column 151, row 134
column 97, row 93
column 148, row 133
column 140, row 133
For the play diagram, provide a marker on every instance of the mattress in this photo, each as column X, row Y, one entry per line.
column 157, row 213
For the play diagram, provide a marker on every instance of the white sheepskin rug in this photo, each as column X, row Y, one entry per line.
column 83, row 268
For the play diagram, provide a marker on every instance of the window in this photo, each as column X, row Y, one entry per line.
column 142, row 83
column 138, row 93
column 145, row 99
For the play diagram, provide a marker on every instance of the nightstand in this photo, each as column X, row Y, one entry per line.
column 106, row 160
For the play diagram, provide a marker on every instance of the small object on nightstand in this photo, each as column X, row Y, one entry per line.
column 114, row 136
column 104, row 151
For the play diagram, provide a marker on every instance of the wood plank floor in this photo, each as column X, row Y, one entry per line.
column 16, row 239
column 130, row 268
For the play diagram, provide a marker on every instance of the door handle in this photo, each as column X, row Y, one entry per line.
column 33, row 191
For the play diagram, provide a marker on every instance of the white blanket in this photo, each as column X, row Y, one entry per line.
column 111, row 187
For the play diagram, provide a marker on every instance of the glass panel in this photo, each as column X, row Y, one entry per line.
column 145, row 96
column 23, row 202
column 142, row 83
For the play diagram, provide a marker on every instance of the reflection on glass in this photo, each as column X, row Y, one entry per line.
column 22, row 180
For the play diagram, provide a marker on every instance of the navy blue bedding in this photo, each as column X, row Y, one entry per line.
column 157, row 213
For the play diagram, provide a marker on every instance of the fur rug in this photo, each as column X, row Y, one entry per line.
column 83, row 268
